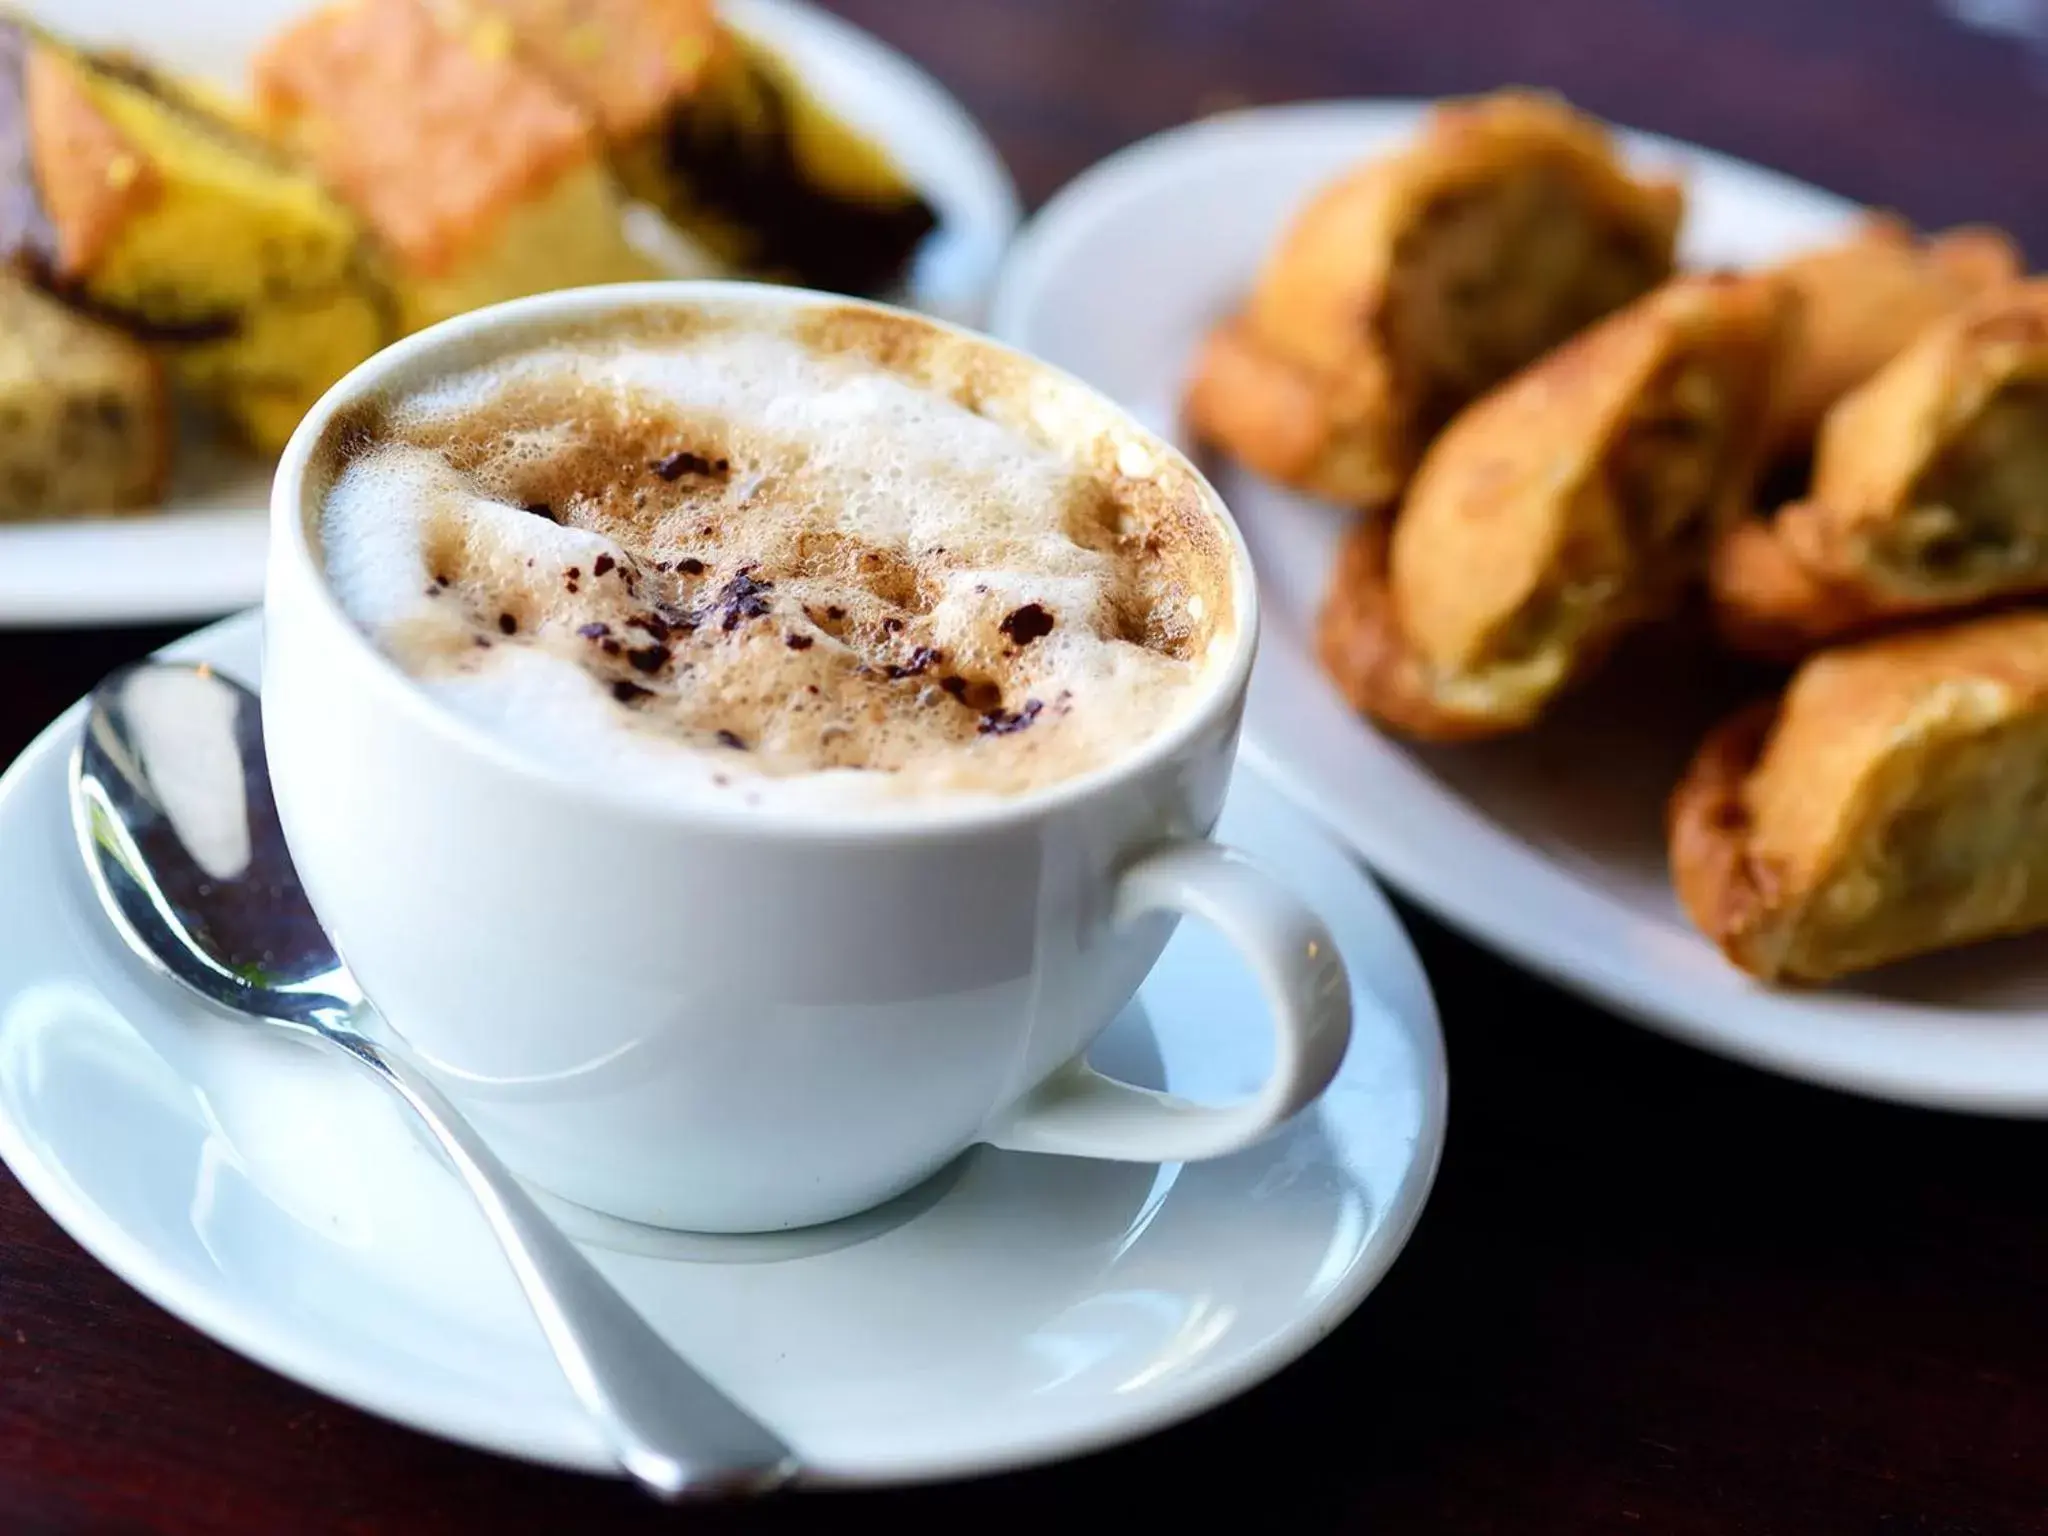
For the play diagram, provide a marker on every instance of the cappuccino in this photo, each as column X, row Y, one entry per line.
column 780, row 555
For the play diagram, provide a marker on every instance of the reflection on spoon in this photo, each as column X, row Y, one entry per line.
column 189, row 755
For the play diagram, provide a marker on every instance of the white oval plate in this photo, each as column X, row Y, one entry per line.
column 1017, row 1309
column 1548, row 847
column 202, row 554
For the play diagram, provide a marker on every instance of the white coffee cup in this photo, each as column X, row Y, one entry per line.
column 719, row 1018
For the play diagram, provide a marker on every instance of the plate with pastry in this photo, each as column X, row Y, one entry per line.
column 210, row 212
column 1653, row 553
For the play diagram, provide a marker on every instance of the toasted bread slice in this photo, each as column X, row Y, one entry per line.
column 85, row 421
column 478, row 178
column 1417, row 282
column 1573, row 503
column 135, row 197
column 1894, row 802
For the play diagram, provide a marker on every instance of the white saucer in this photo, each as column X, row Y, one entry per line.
column 202, row 554
column 1018, row 1309
column 1549, row 847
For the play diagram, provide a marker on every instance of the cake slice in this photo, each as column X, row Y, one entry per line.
column 85, row 421
column 137, row 198
column 479, row 179
column 719, row 133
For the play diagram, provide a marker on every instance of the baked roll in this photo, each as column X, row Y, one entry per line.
column 147, row 202
column 1415, row 283
column 1863, row 300
column 1929, row 494
column 1894, row 802
column 480, row 180
column 1768, row 606
column 1569, row 505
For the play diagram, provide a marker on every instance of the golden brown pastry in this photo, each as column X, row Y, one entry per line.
column 1930, row 491
column 1364, row 652
column 1572, row 503
column 1417, row 282
column 1767, row 605
column 1863, row 300
column 1895, row 802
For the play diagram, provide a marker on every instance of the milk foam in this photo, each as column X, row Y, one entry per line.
column 737, row 564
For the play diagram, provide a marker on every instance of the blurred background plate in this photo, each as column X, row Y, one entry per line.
column 202, row 555
column 1550, row 846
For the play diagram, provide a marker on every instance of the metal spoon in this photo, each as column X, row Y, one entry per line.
column 170, row 796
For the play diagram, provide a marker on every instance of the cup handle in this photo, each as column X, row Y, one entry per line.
column 1079, row 1112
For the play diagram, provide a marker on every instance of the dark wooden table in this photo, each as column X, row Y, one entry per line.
column 1653, row 1292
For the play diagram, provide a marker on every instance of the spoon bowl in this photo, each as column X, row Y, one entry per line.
column 171, row 802
column 172, row 805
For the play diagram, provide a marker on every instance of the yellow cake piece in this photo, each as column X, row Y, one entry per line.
column 135, row 198
column 480, row 180
column 717, row 131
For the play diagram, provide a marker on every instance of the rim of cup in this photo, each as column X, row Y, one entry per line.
column 475, row 337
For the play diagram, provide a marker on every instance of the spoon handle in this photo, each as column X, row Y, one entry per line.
column 673, row 1430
